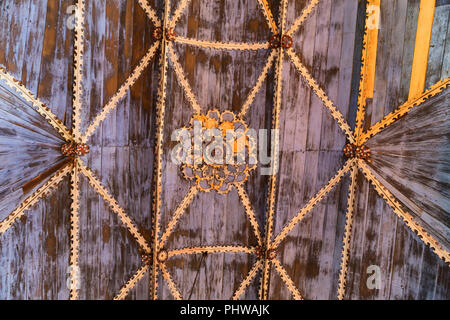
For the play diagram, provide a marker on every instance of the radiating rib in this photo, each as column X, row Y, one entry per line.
column 362, row 97
column 335, row 113
column 283, row 13
column 182, row 80
column 348, row 233
column 222, row 45
column 74, row 230
column 178, row 11
column 248, row 279
column 101, row 190
column 268, row 15
column 151, row 14
column 313, row 202
column 404, row 109
column 264, row 285
column 125, row 290
column 305, row 13
column 211, row 249
column 250, row 213
column 178, row 213
column 34, row 198
column 41, row 108
column 114, row 101
column 159, row 138
column 78, row 69
column 287, row 280
column 172, row 286
column 259, row 82
column 405, row 216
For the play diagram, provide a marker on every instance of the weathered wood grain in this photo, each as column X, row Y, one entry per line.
column 311, row 144
column 220, row 80
column 36, row 47
column 411, row 155
column 439, row 53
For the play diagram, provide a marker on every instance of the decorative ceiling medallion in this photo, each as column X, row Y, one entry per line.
column 360, row 152
column 162, row 256
column 169, row 34
column 276, row 41
column 73, row 149
column 224, row 153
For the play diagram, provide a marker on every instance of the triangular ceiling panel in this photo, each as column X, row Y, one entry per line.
column 38, row 244
column 309, row 251
column 212, row 276
column 380, row 239
column 411, row 156
column 117, row 43
column 244, row 21
column 105, row 245
column 29, row 148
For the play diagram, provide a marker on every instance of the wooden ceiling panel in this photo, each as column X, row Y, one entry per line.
column 108, row 254
column 37, row 250
column 406, row 265
column 351, row 187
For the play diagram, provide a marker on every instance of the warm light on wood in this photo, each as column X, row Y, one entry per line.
column 421, row 50
column 372, row 46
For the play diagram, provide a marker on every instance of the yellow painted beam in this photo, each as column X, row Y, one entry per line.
column 373, row 24
column 422, row 48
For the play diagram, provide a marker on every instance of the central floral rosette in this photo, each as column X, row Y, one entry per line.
column 218, row 151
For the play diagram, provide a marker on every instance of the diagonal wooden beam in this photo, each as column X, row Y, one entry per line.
column 182, row 80
column 247, row 280
column 368, row 65
column 287, row 280
column 40, row 107
column 250, row 213
column 151, row 14
column 40, row 193
column 114, row 205
column 313, row 202
column 177, row 215
column 404, row 109
column 251, row 97
column 120, row 94
column 125, row 290
column 170, row 283
column 335, row 113
column 268, row 15
column 402, row 214
column 178, row 11
column 305, row 13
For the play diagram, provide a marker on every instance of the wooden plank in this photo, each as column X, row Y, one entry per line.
column 373, row 12
column 437, row 56
column 33, row 254
column 421, row 51
column 412, row 17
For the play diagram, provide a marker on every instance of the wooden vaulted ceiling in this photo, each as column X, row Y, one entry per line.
column 114, row 213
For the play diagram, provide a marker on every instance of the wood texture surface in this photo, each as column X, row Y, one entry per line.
column 36, row 47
